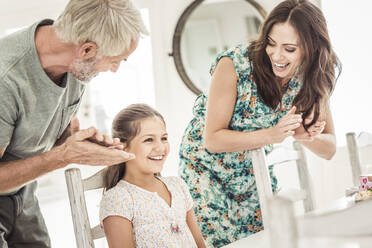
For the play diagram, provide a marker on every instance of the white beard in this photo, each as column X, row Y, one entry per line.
column 83, row 70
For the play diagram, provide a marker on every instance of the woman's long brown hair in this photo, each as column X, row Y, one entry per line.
column 126, row 125
column 319, row 60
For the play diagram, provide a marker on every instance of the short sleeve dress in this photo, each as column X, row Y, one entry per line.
column 223, row 184
column 155, row 223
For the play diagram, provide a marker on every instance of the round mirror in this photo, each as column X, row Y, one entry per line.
column 208, row 27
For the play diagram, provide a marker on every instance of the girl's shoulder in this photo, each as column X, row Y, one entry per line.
column 118, row 192
column 117, row 201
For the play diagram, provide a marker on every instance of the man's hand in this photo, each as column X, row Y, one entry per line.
column 72, row 128
column 90, row 147
column 98, row 138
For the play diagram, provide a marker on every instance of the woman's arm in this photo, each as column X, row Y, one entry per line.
column 119, row 232
column 221, row 102
column 322, row 139
column 194, row 228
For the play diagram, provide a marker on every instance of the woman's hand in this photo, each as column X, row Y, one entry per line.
column 302, row 135
column 286, row 126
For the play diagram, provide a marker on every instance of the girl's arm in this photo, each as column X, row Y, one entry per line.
column 220, row 107
column 322, row 139
column 194, row 228
column 119, row 232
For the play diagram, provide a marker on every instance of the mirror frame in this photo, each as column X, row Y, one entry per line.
column 176, row 43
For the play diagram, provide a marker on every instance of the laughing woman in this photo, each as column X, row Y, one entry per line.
column 276, row 87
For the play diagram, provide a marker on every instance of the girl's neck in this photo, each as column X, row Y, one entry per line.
column 146, row 181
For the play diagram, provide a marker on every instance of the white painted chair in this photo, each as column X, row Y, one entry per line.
column 360, row 151
column 76, row 186
column 281, row 156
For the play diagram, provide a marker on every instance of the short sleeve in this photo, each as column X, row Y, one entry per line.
column 239, row 57
column 116, row 202
column 8, row 114
column 186, row 192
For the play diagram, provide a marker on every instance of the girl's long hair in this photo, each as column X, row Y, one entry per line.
column 319, row 60
column 126, row 126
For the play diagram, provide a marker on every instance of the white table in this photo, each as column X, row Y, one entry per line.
column 262, row 239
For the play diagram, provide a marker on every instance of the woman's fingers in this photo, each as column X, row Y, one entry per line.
column 289, row 120
column 317, row 128
column 291, row 111
column 291, row 126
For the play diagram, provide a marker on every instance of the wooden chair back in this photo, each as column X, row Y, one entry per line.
column 280, row 156
column 76, row 186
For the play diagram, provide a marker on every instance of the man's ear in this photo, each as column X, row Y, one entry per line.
column 87, row 50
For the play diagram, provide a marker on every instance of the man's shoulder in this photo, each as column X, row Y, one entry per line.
column 13, row 48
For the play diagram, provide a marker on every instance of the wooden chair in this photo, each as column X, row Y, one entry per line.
column 280, row 156
column 76, row 187
column 359, row 147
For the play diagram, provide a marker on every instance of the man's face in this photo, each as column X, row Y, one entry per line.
column 86, row 69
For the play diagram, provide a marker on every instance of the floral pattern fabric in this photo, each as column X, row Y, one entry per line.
column 223, row 184
column 153, row 220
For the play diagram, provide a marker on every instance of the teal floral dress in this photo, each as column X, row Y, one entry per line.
column 223, row 184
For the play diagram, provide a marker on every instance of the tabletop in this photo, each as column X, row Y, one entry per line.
column 345, row 204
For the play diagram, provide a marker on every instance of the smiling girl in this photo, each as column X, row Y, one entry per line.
column 139, row 207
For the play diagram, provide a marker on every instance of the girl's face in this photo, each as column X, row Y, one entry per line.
column 150, row 146
column 284, row 51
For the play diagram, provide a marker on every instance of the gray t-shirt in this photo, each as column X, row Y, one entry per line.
column 34, row 111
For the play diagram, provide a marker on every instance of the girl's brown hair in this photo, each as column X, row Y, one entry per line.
column 126, row 126
column 319, row 60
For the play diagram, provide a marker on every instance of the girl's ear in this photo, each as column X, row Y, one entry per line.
column 125, row 145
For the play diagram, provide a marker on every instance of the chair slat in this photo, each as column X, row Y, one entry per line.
column 282, row 155
column 78, row 208
column 263, row 181
column 354, row 158
column 95, row 181
column 304, row 178
column 97, row 232
column 293, row 194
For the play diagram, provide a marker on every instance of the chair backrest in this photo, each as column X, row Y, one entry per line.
column 282, row 155
column 358, row 147
column 76, row 187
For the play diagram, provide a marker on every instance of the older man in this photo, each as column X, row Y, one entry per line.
column 43, row 71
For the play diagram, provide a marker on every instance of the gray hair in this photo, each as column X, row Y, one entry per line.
column 111, row 24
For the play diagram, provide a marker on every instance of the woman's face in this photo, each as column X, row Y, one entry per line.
column 150, row 146
column 284, row 50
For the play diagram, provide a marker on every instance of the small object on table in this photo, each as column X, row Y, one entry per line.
column 365, row 182
column 365, row 188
